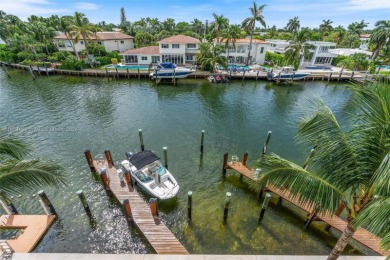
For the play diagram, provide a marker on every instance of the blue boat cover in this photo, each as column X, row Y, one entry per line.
column 166, row 65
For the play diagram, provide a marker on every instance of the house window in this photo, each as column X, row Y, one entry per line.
column 155, row 59
column 164, row 46
column 175, row 46
column 131, row 58
column 262, row 50
column 122, row 42
column 99, row 42
column 190, row 57
column 144, row 58
column 191, row 46
column 82, row 42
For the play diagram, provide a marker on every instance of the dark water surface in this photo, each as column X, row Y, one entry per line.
column 61, row 116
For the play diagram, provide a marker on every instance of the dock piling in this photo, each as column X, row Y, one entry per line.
column 154, row 209
column 141, row 140
column 88, row 156
column 189, row 213
column 8, row 204
column 257, row 75
column 31, row 72
column 105, row 180
column 310, row 218
column 264, row 206
column 330, row 76
column 129, row 215
column 84, row 202
column 128, row 179
column 47, row 202
column 165, row 149
column 225, row 159
column 266, row 143
column 226, row 208
column 47, row 212
column 127, row 73
column 201, row 144
column 6, row 70
column 109, row 158
column 47, row 72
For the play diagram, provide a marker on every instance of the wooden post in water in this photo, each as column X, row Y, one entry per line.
column 32, row 73
column 154, row 209
column 201, row 144
column 266, row 143
column 127, row 73
column 309, row 158
column 88, row 156
column 84, row 202
column 189, row 212
column 330, row 76
column 310, row 218
column 341, row 73
column 47, row 202
column 225, row 159
column 8, row 203
column 243, row 78
column 39, row 71
column 107, row 153
column 245, row 158
column 230, row 74
column 226, row 207
column 105, row 180
column 129, row 215
column 128, row 179
column 47, row 72
column 6, row 70
column 257, row 75
column 117, row 74
column 141, row 139
column 156, row 76
column 353, row 73
column 264, row 206
column 165, row 149
column 107, row 74
column 174, row 76
column 139, row 76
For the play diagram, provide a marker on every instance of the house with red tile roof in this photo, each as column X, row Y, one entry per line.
column 239, row 52
column 111, row 41
column 178, row 49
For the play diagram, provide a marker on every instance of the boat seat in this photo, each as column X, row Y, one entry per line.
column 169, row 184
column 235, row 159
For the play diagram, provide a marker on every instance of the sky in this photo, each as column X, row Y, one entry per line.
column 277, row 12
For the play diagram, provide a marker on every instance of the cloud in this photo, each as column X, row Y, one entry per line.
column 25, row 8
column 86, row 6
column 361, row 5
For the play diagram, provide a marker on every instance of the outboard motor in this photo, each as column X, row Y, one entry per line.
column 129, row 155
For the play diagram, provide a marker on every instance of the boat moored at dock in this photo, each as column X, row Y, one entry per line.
column 168, row 70
column 286, row 73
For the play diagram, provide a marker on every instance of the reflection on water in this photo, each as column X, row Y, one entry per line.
column 107, row 115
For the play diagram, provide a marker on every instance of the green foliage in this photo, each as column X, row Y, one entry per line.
column 357, row 61
column 35, row 63
column 71, row 63
column 96, row 49
column 6, row 55
column 23, row 55
column 59, row 56
column 143, row 39
column 275, row 58
column 104, row 60
column 338, row 59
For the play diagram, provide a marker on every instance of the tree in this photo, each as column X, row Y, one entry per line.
column 349, row 167
column 293, row 25
column 357, row 28
column 64, row 26
column 351, row 40
column 380, row 36
column 220, row 23
column 249, row 23
column 143, row 39
column 18, row 174
column 210, row 55
column 298, row 48
column 230, row 35
column 169, row 24
column 357, row 61
column 197, row 26
column 325, row 27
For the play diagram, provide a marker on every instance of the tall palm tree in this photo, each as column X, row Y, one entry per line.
column 81, row 28
column 210, row 55
column 293, row 25
column 197, row 26
column 18, row 174
column 349, row 168
column 341, row 33
column 298, row 49
column 357, row 28
column 249, row 23
column 220, row 23
column 325, row 27
column 64, row 26
column 230, row 35
column 380, row 36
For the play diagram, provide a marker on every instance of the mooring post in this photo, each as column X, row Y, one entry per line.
column 257, row 75
column 154, row 208
column 165, row 150
column 116, row 73
column 225, row 159
column 47, row 202
column 353, row 73
column 84, row 202
column 309, row 159
column 230, row 74
column 88, row 156
column 189, row 205
column 174, row 76
column 47, row 72
column 264, row 206
column 32, row 73
column 226, row 208
column 141, row 140
column 310, row 218
column 266, row 143
column 341, row 73
column 8, row 203
column 6, row 70
column 109, row 158
column 330, row 76
column 128, row 178
column 201, row 144
column 139, row 76
column 105, row 180
column 129, row 214
column 107, row 74
column 244, row 158
column 127, row 73
column 243, row 78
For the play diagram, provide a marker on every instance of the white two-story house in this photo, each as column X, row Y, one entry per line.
column 111, row 41
column 178, row 49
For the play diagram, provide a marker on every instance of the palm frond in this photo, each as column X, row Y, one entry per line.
column 12, row 147
column 17, row 176
column 381, row 178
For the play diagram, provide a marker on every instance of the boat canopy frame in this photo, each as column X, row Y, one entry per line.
column 141, row 159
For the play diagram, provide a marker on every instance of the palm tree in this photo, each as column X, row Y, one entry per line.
column 350, row 168
column 210, row 55
column 64, row 26
column 298, row 49
column 230, row 35
column 249, row 23
column 18, row 174
column 357, row 28
column 197, row 26
column 380, row 36
column 293, row 25
column 81, row 29
column 325, row 27
column 341, row 33
column 220, row 23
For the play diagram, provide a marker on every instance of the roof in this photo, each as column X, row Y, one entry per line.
column 103, row 36
column 348, row 51
column 143, row 158
column 179, row 39
column 150, row 50
column 246, row 40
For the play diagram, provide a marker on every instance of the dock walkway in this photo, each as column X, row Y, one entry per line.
column 158, row 235
column 361, row 235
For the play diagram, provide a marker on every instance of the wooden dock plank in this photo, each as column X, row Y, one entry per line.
column 34, row 227
column 361, row 235
column 158, row 235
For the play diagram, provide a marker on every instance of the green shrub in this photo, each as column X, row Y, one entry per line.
column 275, row 58
column 59, row 56
column 6, row 55
column 71, row 63
column 23, row 55
column 103, row 60
column 338, row 59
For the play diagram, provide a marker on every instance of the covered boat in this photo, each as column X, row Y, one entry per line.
column 286, row 73
column 168, row 70
column 149, row 174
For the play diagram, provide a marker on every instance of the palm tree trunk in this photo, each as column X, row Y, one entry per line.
column 342, row 242
column 73, row 46
column 376, row 51
column 250, row 47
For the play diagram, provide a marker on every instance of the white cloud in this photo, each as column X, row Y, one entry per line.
column 86, row 6
column 25, row 8
column 366, row 5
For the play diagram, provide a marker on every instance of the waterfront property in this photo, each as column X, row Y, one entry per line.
column 178, row 49
column 239, row 53
column 111, row 41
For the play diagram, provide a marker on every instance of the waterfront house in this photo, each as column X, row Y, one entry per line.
column 239, row 54
column 178, row 49
column 111, row 41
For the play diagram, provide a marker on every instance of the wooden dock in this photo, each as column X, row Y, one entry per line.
column 33, row 226
column 158, row 235
column 361, row 235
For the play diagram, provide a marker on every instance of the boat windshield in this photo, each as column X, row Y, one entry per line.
column 166, row 65
column 143, row 177
column 161, row 170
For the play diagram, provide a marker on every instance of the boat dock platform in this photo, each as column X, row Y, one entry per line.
column 159, row 236
column 33, row 228
column 361, row 235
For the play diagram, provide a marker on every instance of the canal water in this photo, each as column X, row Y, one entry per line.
column 62, row 116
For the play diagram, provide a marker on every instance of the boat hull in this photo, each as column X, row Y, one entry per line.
column 290, row 76
column 170, row 74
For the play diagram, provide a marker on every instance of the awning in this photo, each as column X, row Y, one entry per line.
column 143, row 158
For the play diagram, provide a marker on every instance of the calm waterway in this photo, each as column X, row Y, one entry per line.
column 61, row 116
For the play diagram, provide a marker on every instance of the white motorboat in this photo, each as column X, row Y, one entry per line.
column 286, row 73
column 149, row 174
column 168, row 70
